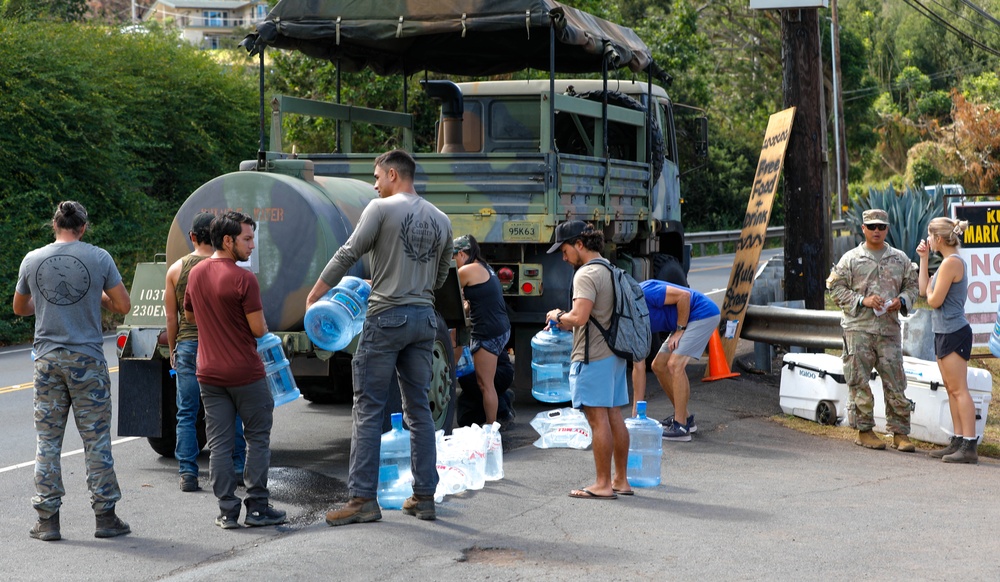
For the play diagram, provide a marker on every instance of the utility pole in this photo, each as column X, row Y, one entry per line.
column 806, row 196
column 838, row 112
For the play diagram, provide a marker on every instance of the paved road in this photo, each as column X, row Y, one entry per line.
column 747, row 499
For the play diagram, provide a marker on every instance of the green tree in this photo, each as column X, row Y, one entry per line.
column 65, row 10
column 128, row 125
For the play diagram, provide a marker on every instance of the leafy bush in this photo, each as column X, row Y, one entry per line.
column 128, row 125
column 909, row 215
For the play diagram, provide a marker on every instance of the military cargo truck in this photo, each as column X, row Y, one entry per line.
column 513, row 159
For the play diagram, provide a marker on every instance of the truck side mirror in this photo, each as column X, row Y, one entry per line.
column 701, row 144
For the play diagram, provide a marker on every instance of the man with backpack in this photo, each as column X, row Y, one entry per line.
column 690, row 318
column 598, row 377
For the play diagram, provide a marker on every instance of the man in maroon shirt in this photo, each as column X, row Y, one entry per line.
column 223, row 300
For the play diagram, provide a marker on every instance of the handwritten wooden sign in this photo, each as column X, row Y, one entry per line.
column 765, row 184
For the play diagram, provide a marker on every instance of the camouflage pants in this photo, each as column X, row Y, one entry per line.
column 862, row 352
column 64, row 379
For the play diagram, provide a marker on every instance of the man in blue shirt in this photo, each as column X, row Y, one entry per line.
column 690, row 318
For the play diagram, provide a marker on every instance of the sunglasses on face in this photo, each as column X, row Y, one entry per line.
column 876, row 226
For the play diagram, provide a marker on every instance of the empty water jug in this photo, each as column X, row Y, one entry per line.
column 645, row 448
column 395, row 479
column 550, row 360
column 279, row 377
column 333, row 321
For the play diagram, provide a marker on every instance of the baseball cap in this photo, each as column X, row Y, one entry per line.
column 875, row 216
column 567, row 232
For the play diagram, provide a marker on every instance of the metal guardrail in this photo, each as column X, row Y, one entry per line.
column 720, row 237
column 808, row 328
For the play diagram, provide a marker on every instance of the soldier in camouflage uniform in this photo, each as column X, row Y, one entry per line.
column 64, row 285
column 873, row 284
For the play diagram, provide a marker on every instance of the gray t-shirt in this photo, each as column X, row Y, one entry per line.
column 66, row 280
column 410, row 244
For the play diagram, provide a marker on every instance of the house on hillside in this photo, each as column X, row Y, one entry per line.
column 207, row 23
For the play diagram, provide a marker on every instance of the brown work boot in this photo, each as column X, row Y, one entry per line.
column 357, row 510
column 422, row 506
column 109, row 526
column 966, row 453
column 953, row 445
column 869, row 440
column 46, row 528
column 902, row 443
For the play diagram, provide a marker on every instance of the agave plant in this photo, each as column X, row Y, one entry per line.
column 909, row 214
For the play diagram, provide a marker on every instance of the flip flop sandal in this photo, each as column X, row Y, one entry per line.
column 587, row 494
column 624, row 492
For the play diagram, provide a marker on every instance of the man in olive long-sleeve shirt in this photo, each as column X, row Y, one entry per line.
column 411, row 250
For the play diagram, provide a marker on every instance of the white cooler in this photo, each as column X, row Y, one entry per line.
column 813, row 387
column 931, row 417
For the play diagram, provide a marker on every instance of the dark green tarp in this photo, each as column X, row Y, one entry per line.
column 455, row 37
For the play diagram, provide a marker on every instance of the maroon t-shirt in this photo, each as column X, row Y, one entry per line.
column 221, row 294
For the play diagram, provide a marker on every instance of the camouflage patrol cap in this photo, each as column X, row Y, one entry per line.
column 875, row 216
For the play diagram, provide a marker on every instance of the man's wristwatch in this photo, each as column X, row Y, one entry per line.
column 681, row 327
column 559, row 317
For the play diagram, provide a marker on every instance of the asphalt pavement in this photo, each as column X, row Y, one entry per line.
column 746, row 499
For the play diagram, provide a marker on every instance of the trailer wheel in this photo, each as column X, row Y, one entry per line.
column 826, row 413
column 667, row 268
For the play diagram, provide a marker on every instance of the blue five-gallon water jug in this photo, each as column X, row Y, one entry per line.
column 645, row 448
column 279, row 377
column 550, row 353
column 333, row 321
column 395, row 480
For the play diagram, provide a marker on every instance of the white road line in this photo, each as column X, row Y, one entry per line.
column 64, row 455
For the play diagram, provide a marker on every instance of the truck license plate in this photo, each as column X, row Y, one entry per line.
column 520, row 231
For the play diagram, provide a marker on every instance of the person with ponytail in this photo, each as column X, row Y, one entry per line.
column 946, row 293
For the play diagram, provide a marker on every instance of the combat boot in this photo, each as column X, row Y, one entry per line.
column 869, row 440
column 420, row 506
column 902, row 443
column 109, row 526
column 966, row 453
column 46, row 528
column 953, row 445
column 357, row 510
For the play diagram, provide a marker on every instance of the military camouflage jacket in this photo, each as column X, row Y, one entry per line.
column 859, row 275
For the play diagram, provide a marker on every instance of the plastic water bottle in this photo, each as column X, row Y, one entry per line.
column 645, row 448
column 494, row 452
column 333, row 321
column 550, row 360
column 464, row 366
column 278, row 372
column 451, row 467
column 395, row 479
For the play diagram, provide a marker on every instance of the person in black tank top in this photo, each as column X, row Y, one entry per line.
column 490, row 325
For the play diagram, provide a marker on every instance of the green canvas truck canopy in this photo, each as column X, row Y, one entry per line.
column 470, row 37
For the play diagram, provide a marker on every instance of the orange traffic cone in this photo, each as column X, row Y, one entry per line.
column 718, row 367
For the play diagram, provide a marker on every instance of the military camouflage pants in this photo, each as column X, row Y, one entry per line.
column 862, row 352
column 64, row 379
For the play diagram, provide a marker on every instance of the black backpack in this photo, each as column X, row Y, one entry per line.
column 628, row 333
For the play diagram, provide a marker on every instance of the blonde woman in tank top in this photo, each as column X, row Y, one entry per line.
column 946, row 293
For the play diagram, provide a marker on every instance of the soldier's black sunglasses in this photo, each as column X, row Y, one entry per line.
column 876, row 226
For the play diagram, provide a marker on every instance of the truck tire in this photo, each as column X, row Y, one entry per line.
column 337, row 388
column 443, row 384
column 621, row 139
column 165, row 444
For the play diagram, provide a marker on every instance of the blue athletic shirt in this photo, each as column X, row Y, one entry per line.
column 663, row 318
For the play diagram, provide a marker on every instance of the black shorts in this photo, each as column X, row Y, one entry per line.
column 959, row 342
